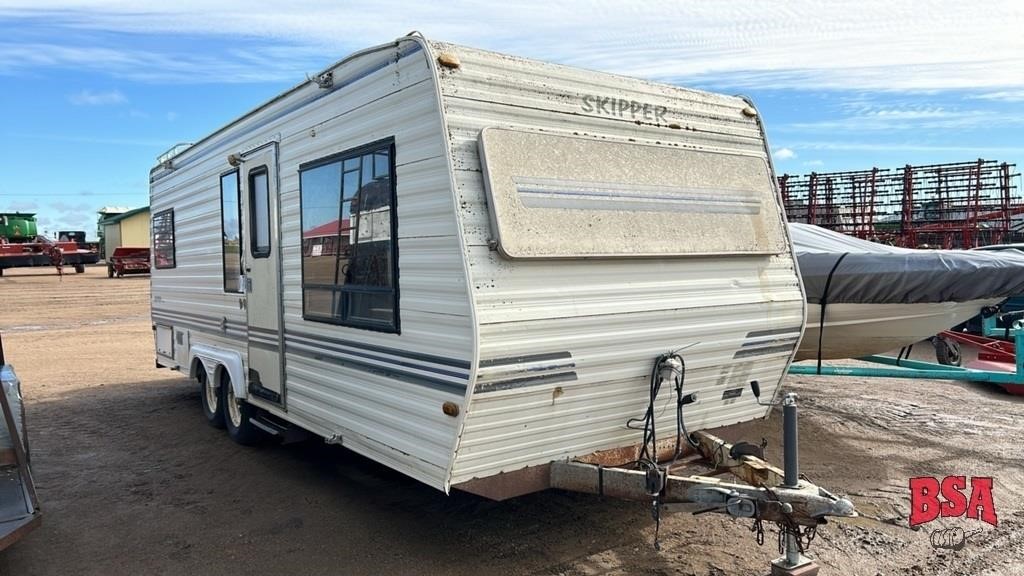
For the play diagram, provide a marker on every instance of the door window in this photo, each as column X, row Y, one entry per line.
column 259, row 206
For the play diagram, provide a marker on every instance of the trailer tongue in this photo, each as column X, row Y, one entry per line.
column 765, row 493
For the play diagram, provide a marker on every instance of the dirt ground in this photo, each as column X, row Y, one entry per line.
column 132, row 481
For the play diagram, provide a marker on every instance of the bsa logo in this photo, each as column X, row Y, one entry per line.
column 930, row 499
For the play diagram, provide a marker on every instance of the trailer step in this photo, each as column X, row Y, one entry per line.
column 276, row 428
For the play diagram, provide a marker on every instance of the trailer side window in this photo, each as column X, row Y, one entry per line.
column 349, row 247
column 163, row 239
column 230, row 216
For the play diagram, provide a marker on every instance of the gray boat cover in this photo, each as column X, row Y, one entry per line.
column 872, row 273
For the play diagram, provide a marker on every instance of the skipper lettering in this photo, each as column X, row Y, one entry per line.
column 624, row 108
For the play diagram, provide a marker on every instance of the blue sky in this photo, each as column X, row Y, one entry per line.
column 93, row 91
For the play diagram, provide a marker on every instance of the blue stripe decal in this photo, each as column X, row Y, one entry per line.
column 200, row 328
column 524, row 382
column 416, row 379
column 444, row 361
column 391, row 360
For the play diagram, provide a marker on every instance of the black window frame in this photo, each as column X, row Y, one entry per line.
column 250, row 177
column 223, row 252
column 340, row 157
column 174, row 239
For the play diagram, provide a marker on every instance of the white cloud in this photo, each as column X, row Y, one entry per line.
column 19, row 206
column 80, row 217
column 90, row 98
column 869, row 45
column 160, row 67
column 812, row 163
column 1003, row 96
column 67, row 207
column 94, row 140
column 908, row 146
column 860, row 113
column 783, row 154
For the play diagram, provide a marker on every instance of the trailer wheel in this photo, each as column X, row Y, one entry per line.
column 947, row 351
column 212, row 406
column 110, row 271
column 237, row 414
column 79, row 268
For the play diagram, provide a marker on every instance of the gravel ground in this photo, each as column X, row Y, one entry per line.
column 132, row 481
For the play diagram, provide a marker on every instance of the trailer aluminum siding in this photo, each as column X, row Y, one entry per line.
column 742, row 315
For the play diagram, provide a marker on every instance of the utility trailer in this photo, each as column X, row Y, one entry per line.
column 19, row 506
column 128, row 260
column 479, row 270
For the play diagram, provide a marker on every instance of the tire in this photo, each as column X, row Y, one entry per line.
column 79, row 268
column 110, row 271
column 213, row 407
column 237, row 414
column 947, row 352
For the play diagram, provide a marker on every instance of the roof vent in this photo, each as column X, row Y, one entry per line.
column 449, row 60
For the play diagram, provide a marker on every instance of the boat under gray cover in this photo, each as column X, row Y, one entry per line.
column 866, row 272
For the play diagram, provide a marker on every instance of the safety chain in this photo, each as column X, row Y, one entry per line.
column 758, row 527
column 803, row 535
column 656, row 514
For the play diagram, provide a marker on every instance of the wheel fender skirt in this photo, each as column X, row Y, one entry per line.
column 211, row 357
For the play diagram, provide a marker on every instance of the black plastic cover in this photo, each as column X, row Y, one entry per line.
column 879, row 274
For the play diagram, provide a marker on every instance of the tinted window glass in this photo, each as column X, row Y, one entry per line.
column 259, row 197
column 163, row 239
column 231, row 232
column 348, row 253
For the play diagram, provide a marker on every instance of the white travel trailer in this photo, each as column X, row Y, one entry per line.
column 466, row 265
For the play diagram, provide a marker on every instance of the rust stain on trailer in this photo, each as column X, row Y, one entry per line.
column 509, row 484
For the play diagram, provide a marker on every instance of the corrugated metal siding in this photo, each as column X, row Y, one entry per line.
column 381, row 393
column 111, row 237
column 135, row 230
column 566, row 347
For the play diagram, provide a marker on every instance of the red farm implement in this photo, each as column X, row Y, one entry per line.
column 958, row 205
column 128, row 260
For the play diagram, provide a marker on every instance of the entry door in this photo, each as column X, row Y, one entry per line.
column 262, row 270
